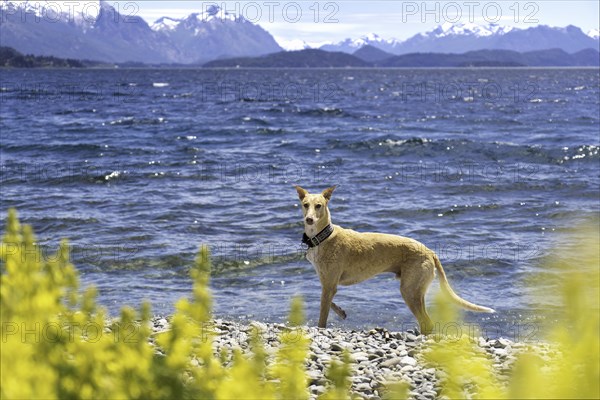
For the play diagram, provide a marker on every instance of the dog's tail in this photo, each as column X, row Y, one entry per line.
column 458, row 300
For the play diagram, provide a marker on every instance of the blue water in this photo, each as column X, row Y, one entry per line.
column 139, row 167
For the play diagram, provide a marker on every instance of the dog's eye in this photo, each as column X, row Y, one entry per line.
column 318, row 206
column 305, row 205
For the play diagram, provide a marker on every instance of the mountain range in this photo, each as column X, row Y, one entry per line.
column 113, row 37
column 216, row 34
column 463, row 37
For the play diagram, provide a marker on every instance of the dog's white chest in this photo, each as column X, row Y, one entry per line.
column 311, row 255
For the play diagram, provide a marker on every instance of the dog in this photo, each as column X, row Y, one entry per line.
column 346, row 257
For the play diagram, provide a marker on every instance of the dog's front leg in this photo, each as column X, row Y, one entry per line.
column 327, row 294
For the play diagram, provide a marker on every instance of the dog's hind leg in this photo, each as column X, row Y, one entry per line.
column 413, row 286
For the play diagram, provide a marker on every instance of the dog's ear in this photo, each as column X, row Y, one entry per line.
column 301, row 192
column 328, row 192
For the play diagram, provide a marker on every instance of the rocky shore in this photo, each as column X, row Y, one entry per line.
column 379, row 357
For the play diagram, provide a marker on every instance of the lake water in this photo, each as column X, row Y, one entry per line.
column 139, row 167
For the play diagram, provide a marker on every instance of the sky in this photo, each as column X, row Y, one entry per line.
column 319, row 21
column 316, row 21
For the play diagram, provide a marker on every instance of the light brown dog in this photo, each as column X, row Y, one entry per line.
column 345, row 257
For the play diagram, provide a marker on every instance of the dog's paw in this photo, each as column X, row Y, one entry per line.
column 338, row 310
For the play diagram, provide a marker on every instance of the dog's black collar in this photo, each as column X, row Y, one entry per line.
column 320, row 238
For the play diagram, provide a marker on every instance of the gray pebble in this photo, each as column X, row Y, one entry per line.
column 411, row 338
column 500, row 352
column 364, row 387
column 360, row 356
column 318, row 389
column 336, row 347
column 380, row 353
column 391, row 362
column 407, row 368
column 313, row 375
column 407, row 360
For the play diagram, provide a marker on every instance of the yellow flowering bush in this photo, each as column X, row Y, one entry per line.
column 572, row 369
column 56, row 342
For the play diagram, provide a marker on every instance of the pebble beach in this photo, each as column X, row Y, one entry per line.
column 378, row 357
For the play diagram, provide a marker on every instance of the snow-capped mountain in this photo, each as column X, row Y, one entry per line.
column 32, row 28
column 456, row 38
column 165, row 24
column 293, row 45
column 212, row 14
column 464, row 37
column 351, row 45
column 299, row 44
column 110, row 36
column 215, row 33
column 594, row 34
column 394, row 46
column 450, row 29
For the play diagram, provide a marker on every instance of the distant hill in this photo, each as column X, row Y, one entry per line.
column 587, row 57
column 481, row 58
column 9, row 57
column 371, row 54
column 312, row 58
column 309, row 58
column 497, row 58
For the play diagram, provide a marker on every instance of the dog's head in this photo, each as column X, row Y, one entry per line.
column 314, row 206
